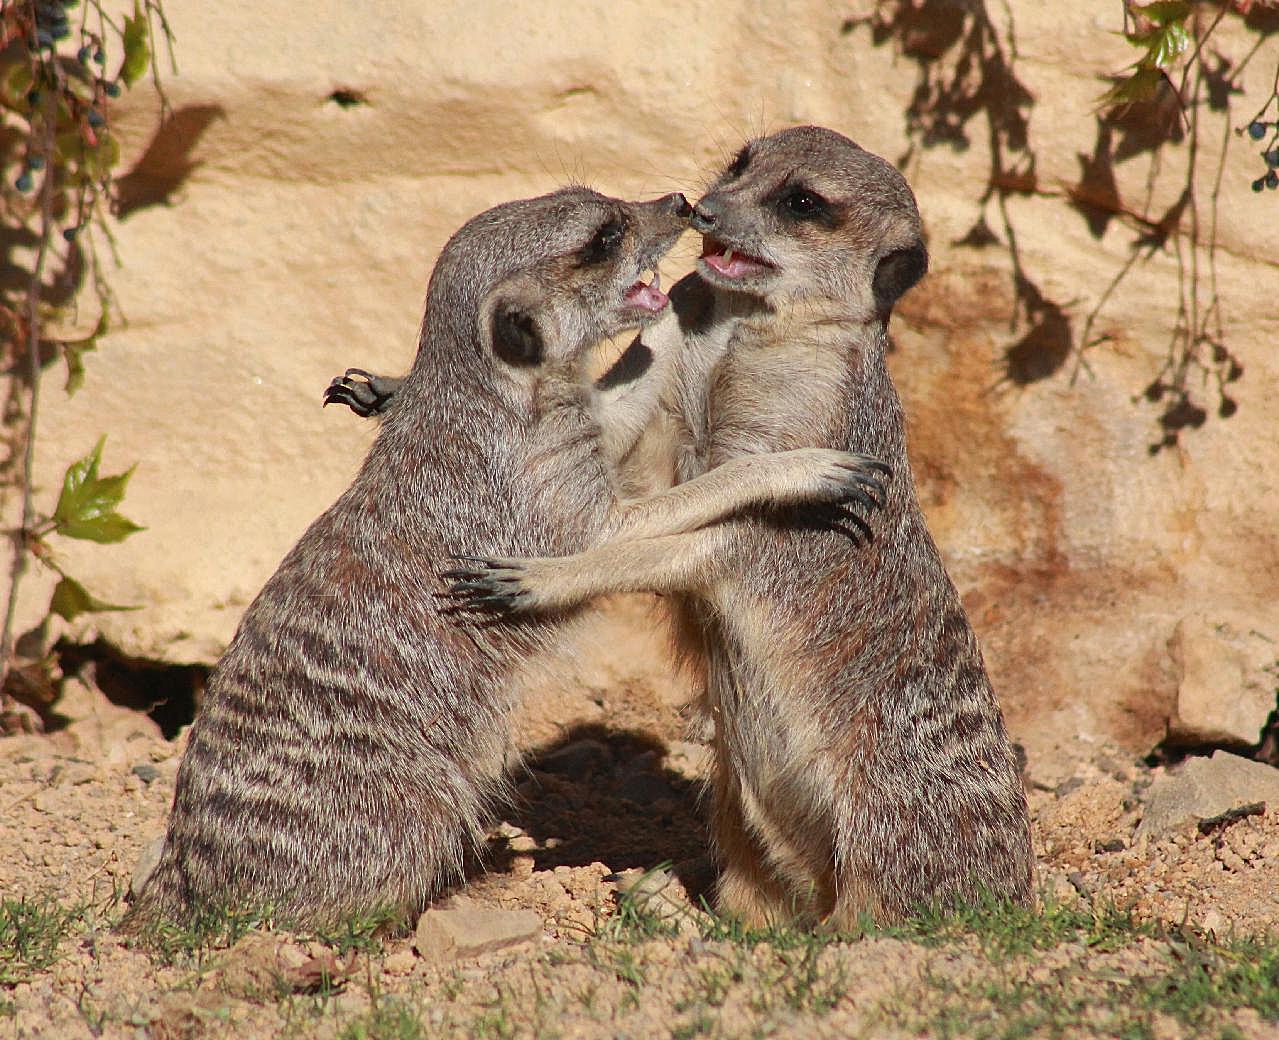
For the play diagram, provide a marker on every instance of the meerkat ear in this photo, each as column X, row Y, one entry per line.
column 896, row 273
column 512, row 324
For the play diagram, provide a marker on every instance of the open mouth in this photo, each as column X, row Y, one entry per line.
column 728, row 262
column 647, row 296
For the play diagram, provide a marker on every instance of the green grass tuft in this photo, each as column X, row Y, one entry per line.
column 30, row 932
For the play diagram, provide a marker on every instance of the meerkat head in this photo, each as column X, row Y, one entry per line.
column 806, row 213
column 541, row 280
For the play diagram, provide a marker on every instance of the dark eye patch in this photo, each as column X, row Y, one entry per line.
column 797, row 202
column 738, row 165
column 605, row 243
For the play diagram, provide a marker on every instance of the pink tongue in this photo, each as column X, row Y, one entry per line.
column 735, row 268
column 646, row 296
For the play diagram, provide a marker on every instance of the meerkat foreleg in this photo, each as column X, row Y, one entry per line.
column 783, row 478
column 685, row 562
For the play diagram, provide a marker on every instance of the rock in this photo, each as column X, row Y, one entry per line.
column 400, row 962
column 658, row 892
column 466, row 930
column 145, row 772
column 687, row 759
column 1206, row 787
column 1226, row 679
column 148, row 860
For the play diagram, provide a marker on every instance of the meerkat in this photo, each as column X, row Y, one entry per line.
column 351, row 736
column 862, row 768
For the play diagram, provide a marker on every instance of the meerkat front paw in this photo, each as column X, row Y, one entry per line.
column 488, row 586
column 364, row 393
column 849, row 477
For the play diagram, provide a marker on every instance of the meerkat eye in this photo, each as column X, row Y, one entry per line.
column 606, row 242
column 804, row 204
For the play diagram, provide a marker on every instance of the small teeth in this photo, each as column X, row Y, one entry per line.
column 728, row 257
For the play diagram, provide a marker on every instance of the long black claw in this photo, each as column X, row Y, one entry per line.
column 483, row 561
column 338, row 392
column 847, row 516
column 367, row 376
column 871, row 483
column 858, row 495
column 463, row 575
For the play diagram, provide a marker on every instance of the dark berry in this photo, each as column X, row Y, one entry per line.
column 83, row 55
column 33, row 98
column 95, row 117
column 111, row 89
column 1228, row 407
column 43, row 39
column 1271, row 157
column 24, row 181
column 70, row 233
column 1256, row 129
column 1272, row 180
column 100, row 56
column 1258, row 184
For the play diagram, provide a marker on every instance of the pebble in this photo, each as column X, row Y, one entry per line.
column 145, row 772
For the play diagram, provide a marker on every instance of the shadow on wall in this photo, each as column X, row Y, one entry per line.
column 166, row 163
column 965, row 66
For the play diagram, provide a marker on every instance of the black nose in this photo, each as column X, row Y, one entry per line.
column 678, row 205
column 704, row 217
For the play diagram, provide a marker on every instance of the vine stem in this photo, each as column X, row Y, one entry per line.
column 21, row 536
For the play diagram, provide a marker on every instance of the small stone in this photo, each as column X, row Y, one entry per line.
column 148, row 860
column 401, row 962
column 687, row 759
column 1213, row 922
column 1069, row 786
column 145, row 772
column 1204, row 788
column 449, row 934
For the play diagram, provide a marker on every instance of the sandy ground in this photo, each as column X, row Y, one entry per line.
column 78, row 806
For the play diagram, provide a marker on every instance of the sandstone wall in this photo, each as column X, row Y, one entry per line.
column 320, row 156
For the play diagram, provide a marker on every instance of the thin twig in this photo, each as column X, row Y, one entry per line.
column 21, row 535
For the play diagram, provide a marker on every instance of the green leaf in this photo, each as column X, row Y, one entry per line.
column 71, row 599
column 86, row 507
column 137, row 47
column 1171, row 42
column 1140, row 86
